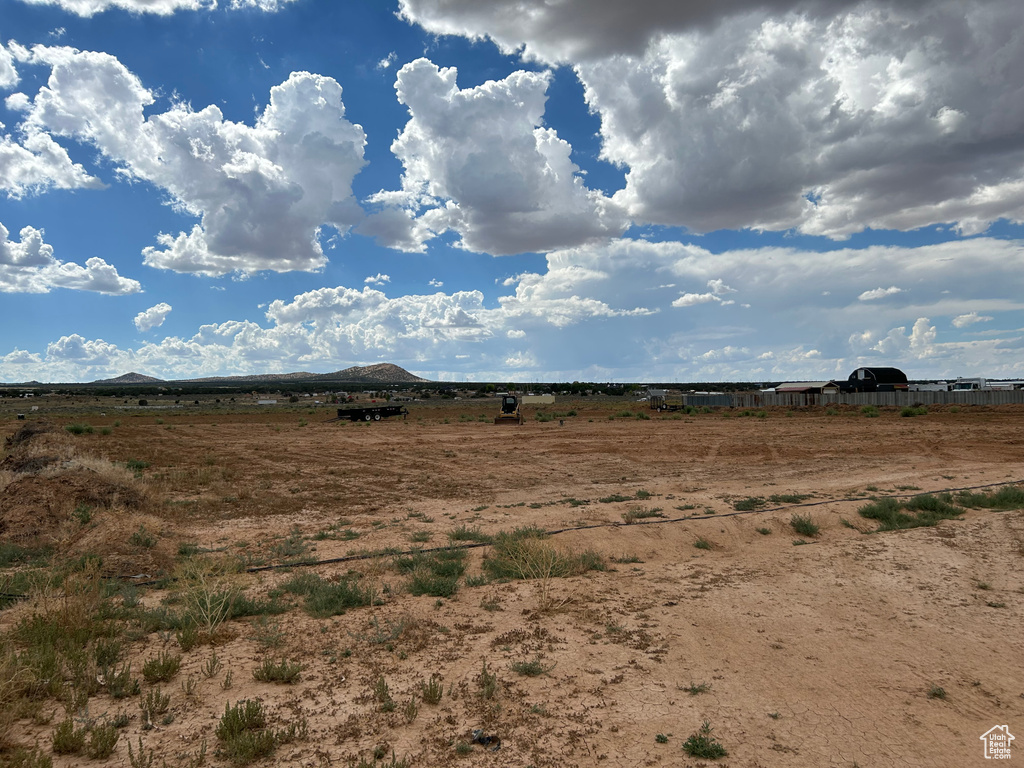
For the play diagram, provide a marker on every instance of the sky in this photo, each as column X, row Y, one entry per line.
column 512, row 190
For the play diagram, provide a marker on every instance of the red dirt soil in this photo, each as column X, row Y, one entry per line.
column 820, row 654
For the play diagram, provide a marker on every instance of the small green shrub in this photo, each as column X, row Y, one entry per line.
column 764, row 531
column 534, row 668
column 869, row 411
column 102, row 740
column 79, row 429
column 245, row 715
column 187, row 637
column 615, row 497
column 1007, row 497
column 162, row 668
column 788, row 498
column 748, row 504
column 703, row 744
column 695, row 689
column 155, row 702
column 936, row 692
column 83, row 514
column 426, row 583
column 488, row 682
column 68, row 740
column 382, row 695
column 915, row 512
column 142, row 538
column 910, row 411
column 327, row 598
column 637, row 512
column 432, row 690
column 465, row 533
column 702, row 543
column 244, row 735
column 120, row 683
column 803, row 525
column 525, row 554
column 278, row 672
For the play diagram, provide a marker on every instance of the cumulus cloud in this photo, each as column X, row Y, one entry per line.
column 8, row 74
column 29, row 266
column 478, row 161
column 378, row 279
column 824, row 116
column 970, row 318
column 30, row 160
column 579, row 30
column 36, row 163
column 76, row 349
column 153, row 317
column 621, row 292
column 158, row 7
column 879, row 293
column 919, row 342
column 435, row 282
column 261, row 192
column 717, row 289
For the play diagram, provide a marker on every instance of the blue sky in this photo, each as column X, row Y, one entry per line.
column 511, row 190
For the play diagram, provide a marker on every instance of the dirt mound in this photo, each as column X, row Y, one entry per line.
column 37, row 510
column 27, row 433
column 36, row 447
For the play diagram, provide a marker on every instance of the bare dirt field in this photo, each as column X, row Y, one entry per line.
column 835, row 647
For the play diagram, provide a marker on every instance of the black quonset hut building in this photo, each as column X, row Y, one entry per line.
column 875, row 380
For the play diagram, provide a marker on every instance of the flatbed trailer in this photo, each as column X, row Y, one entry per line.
column 371, row 413
column 666, row 402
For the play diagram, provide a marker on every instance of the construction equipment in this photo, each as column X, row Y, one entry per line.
column 511, row 411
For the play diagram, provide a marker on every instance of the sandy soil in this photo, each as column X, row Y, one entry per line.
column 818, row 654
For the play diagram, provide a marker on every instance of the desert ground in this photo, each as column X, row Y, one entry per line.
column 699, row 601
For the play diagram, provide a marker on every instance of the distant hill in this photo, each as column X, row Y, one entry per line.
column 130, row 378
column 381, row 373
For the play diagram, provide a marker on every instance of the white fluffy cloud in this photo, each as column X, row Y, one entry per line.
column 970, row 318
column 159, row 7
column 262, row 192
column 31, row 161
column 153, row 317
column 378, row 279
column 38, row 162
column 621, row 292
column 8, row 74
column 78, row 350
column 879, row 293
column 29, row 266
column 480, row 162
column 824, row 116
column 717, row 289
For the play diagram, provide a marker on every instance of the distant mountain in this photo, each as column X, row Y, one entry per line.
column 130, row 378
column 381, row 373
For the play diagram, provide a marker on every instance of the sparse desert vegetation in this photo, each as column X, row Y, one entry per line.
column 230, row 586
